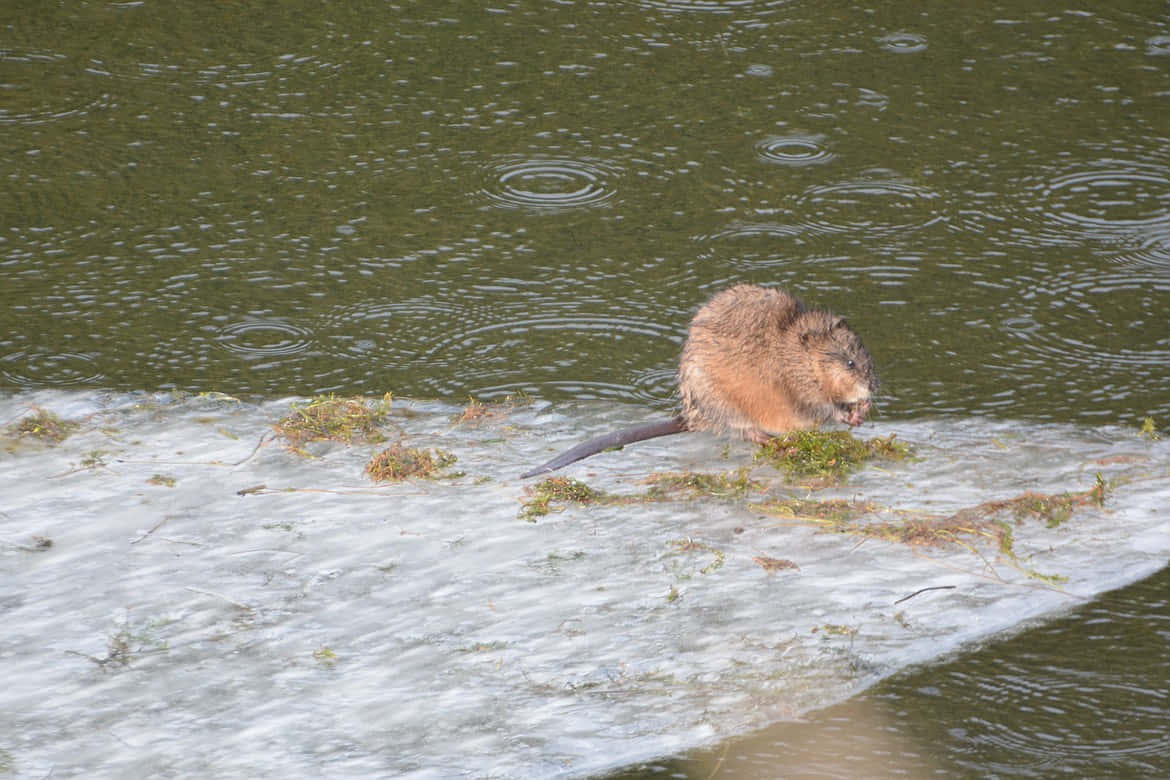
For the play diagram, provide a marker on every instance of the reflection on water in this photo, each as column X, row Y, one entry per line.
column 1083, row 695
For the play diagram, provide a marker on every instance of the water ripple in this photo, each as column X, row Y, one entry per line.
column 1062, row 324
column 575, row 389
column 608, row 352
column 1120, row 208
column 794, row 150
column 1109, row 196
column 41, row 368
column 481, row 339
column 548, row 184
column 721, row 7
column 903, row 43
column 760, row 244
column 1158, row 46
column 870, row 204
column 452, row 348
column 41, row 89
column 264, row 338
column 392, row 334
column 1151, row 248
column 1076, row 705
column 765, row 230
column 656, row 385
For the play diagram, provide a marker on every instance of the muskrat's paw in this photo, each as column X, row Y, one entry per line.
column 853, row 414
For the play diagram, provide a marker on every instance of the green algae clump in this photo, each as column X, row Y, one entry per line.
column 826, row 457
column 43, row 425
column 831, row 512
column 477, row 412
column 694, row 484
column 400, row 462
column 329, row 418
column 557, row 490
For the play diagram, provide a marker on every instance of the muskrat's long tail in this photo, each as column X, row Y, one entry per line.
column 609, row 441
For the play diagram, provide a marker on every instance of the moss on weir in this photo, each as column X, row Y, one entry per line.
column 44, row 426
column 555, row 493
column 329, row 418
column 400, row 462
column 477, row 411
column 731, row 484
column 826, row 457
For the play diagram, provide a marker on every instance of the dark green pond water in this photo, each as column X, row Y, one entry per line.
column 443, row 200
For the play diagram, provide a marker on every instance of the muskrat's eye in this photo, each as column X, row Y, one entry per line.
column 850, row 364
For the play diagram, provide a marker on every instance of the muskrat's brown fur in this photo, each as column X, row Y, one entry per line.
column 758, row 363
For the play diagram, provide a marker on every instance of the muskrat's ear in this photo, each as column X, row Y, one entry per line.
column 838, row 322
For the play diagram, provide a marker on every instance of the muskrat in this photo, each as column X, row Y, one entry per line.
column 757, row 363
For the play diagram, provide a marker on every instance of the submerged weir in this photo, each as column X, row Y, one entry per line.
column 186, row 592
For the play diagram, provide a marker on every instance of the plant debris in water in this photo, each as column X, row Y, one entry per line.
column 918, row 528
column 557, row 492
column 773, row 565
column 732, row 484
column 983, row 522
column 690, row 545
column 1052, row 509
column 329, row 418
column 401, row 462
column 830, row 510
column 325, row 657
column 125, row 646
column 827, row 457
column 44, row 425
column 478, row 411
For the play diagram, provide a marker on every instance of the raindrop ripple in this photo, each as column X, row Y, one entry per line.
column 548, row 184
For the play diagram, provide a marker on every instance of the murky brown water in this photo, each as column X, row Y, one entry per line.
column 1080, row 696
column 443, row 201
